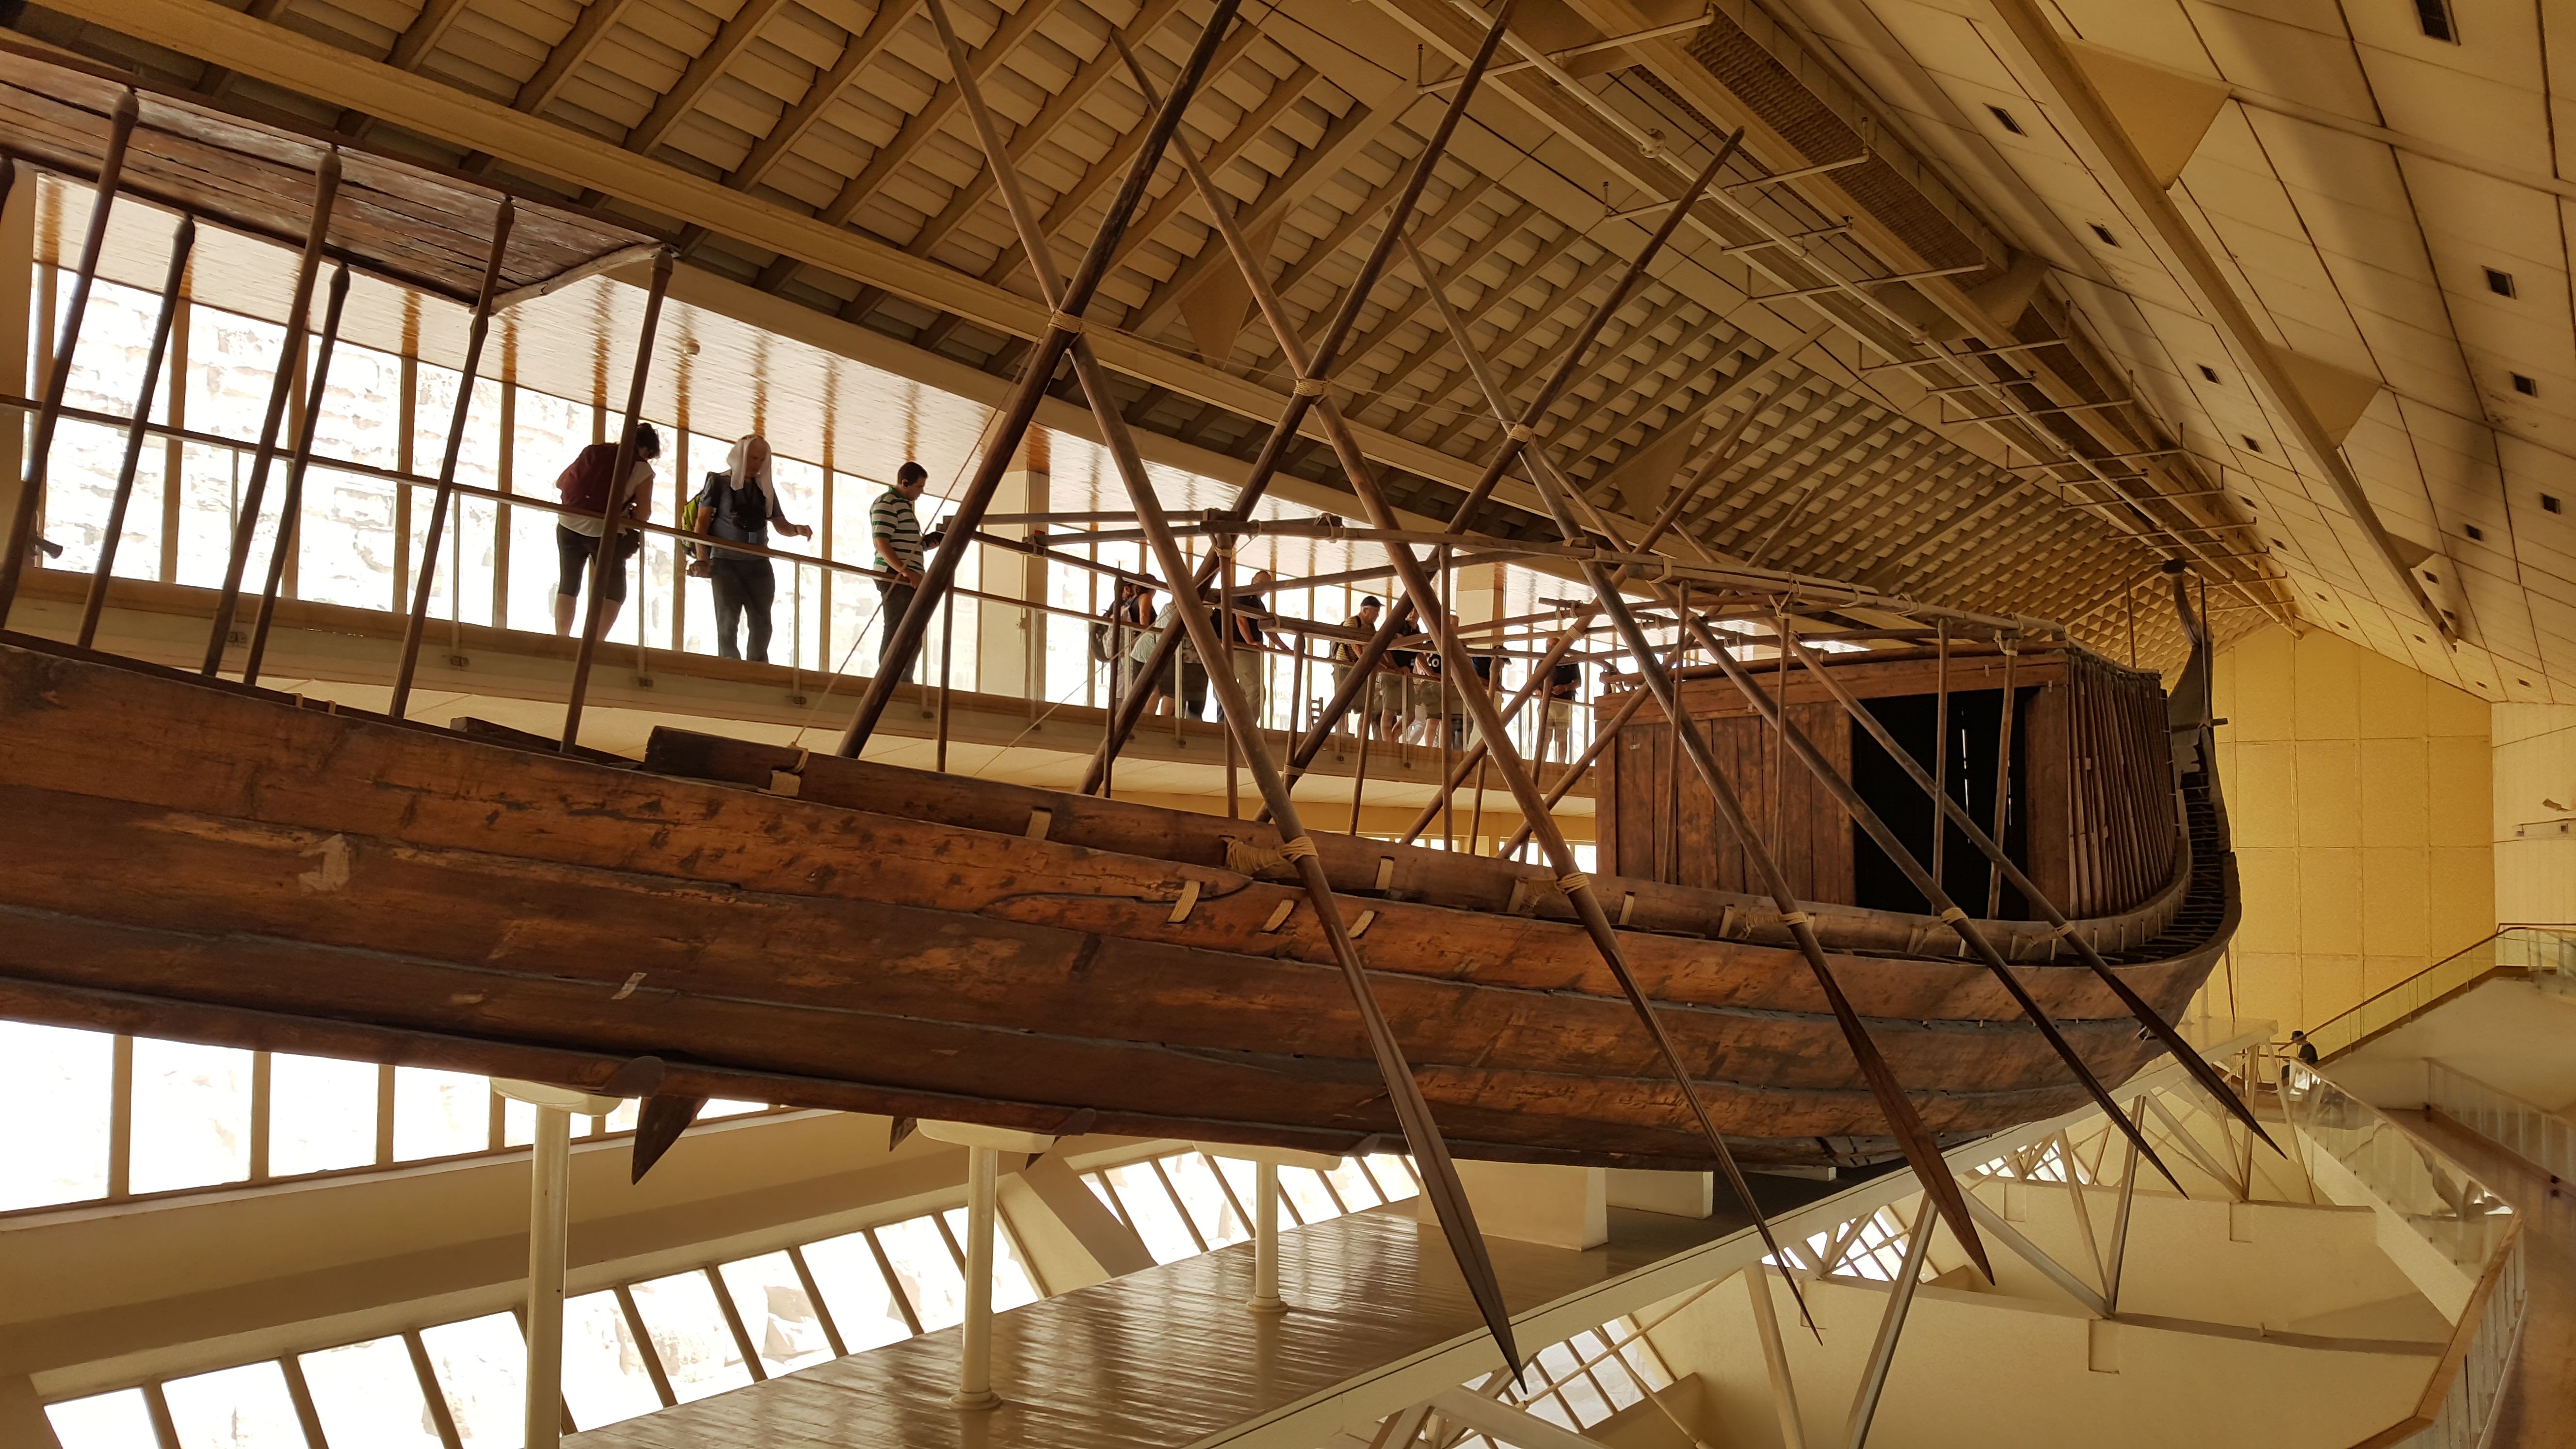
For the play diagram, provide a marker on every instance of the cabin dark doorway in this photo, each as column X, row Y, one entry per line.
column 1976, row 719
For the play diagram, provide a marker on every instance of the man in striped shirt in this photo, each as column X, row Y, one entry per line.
column 896, row 530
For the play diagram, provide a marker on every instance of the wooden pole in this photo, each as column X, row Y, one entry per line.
column 481, row 328
column 1310, row 379
column 1404, row 1093
column 1064, row 324
column 290, row 507
column 1921, row 1149
column 2003, row 774
column 290, row 370
column 31, row 489
column 606, row 558
column 1940, row 742
column 181, row 244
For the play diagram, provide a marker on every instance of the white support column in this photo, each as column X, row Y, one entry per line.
column 984, row 1148
column 1265, row 1240
column 975, row 1363
column 1891, row 1326
column 1266, row 1162
column 1775, row 1357
column 549, row 1238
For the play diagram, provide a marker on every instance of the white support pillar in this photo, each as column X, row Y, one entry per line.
column 1265, row 1240
column 1775, row 1357
column 984, row 1148
column 549, row 1239
column 1266, row 1162
column 975, row 1361
column 1891, row 1325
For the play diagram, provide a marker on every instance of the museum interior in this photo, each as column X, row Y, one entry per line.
column 1878, row 698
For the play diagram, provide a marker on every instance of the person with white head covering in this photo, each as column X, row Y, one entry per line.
column 740, row 505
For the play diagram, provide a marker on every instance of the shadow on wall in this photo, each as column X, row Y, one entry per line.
column 2359, row 790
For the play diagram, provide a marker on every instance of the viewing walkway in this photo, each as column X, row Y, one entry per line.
column 2539, row 1401
column 1379, row 1321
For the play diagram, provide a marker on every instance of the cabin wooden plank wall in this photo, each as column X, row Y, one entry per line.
column 2091, row 793
column 1659, row 822
column 2120, row 814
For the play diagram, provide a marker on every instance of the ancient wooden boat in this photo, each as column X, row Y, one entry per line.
column 197, row 859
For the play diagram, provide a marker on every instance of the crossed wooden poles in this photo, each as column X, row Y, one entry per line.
column 1418, row 610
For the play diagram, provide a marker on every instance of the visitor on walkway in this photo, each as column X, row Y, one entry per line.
column 1251, row 664
column 896, row 531
column 1564, row 686
column 739, row 505
column 1382, row 698
column 1187, row 678
column 585, row 490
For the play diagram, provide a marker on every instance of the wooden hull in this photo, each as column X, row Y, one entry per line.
column 221, row 865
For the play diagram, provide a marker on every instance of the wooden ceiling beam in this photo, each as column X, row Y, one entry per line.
column 1865, row 515
column 1112, row 165
column 730, row 40
column 1367, row 121
column 1605, row 350
column 857, row 54
column 1686, row 413
column 1154, row 216
column 1344, row 232
column 1440, row 343
column 1059, row 108
column 1853, row 499
column 1861, row 527
column 935, row 113
column 1634, row 383
column 1256, row 123
column 597, row 19
column 1772, row 480
column 1393, row 319
column 1756, row 456
column 1871, row 454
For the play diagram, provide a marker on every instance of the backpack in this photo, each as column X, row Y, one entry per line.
column 585, row 485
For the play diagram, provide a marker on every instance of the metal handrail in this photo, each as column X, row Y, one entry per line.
column 2469, row 966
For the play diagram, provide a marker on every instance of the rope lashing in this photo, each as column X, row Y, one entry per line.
column 1064, row 322
column 1795, row 918
column 1953, row 916
column 1311, row 387
column 1572, row 883
column 1297, row 847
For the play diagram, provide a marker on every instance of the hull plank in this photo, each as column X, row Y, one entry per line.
column 890, row 941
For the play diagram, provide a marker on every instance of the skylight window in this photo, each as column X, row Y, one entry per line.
column 2005, row 119
column 2500, row 283
column 2434, row 18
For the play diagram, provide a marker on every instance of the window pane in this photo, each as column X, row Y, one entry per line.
column 1244, row 1178
column 60, row 1152
column 367, row 1393
column 1392, row 1176
column 926, row 1271
column 1152, row 1213
column 863, row 1308
column 191, row 1115
column 321, row 1114
column 440, row 1114
column 109, row 1421
column 697, row 1349
column 1306, row 1189
column 1196, row 1181
column 604, row 1378
column 481, row 1365
column 776, row 1312
column 723, row 1107
column 1352, row 1181
column 235, row 1408
column 1012, row 1285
